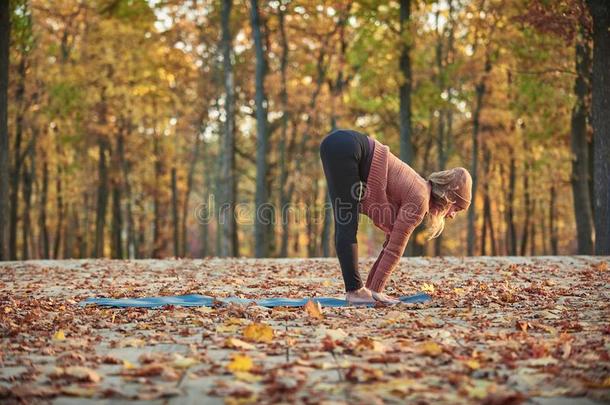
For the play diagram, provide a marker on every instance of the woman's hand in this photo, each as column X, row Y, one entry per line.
column 386, row 299
column 360, row 296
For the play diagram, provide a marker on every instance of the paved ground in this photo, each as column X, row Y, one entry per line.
column 498, row 331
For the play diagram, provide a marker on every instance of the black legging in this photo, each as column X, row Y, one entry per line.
column 343, row 154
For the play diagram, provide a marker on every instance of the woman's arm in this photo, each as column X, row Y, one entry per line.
column 374, row 268
column 408, row 217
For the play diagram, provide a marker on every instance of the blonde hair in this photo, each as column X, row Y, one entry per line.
column 447, row 187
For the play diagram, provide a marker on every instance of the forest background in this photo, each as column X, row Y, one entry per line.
column 127, row 125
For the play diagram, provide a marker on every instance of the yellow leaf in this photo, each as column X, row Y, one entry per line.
column 458, row 291
column 431, row 349
column 184, row 362
column 428, row 288
column 258, row 332
column 231, row 325
column 326, row 283
column 246, row 376
column 59, row 335
column 76, row 391
column 472, row 364
column 479, row 389
column 131, row 342
column 238, row 344
column 314, row 309
column 240, row 362
column 128, row 365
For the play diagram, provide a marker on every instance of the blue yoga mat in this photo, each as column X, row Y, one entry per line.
column 195, row 300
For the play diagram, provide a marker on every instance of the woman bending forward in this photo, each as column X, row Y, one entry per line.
column 364, row 177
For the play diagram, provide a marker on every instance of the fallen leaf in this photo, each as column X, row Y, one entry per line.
column 472, row 364
column 367, row 343
column 335, row 334
column 258, row 332
column 131, row 342
column 59, row 335
column 427, row 287
column 430, row 348
column 78, row 391
column 77, row 373
column 128, row 365
column 235, row 343
column 314, row 309
column 240, row 362
column 184, row 362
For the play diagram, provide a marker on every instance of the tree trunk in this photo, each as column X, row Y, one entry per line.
column 102, row 198
column 18, row 154
column 28, row 177
column 131, row 238
column 116, row 230
column 480, row 90
column 42, row 216
column 533, row 230
column 283, row 139
column 187, row 194
column 5, row 33
column 511, row 228
column 261, row 214
column 527, row 208
column 59, row 199
column 552, row 224
column 158, row 167
column 228, row 243
column 406, row 132
column 600, row 108
column 175, row 219
column 580, row 158
column 117, row 223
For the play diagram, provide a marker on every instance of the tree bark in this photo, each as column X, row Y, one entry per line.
column 18, row 156
column 175, row 219
column 42, row 216
column 580, row 153
column 527, row 208
column 28, row 178
column 511, row 228
column 59, row 201
column 102, row 198
column 187, row 194
column 283, row 137
column 228, row 242
column 5, row 32
column 552, row 220
column 600, row 109
column 261, row 215
column 406, row 132
column 158, row 167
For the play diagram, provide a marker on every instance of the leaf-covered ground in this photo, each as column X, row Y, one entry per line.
column 498, row 331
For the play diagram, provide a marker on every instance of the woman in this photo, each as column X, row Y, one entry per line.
column 364, row 177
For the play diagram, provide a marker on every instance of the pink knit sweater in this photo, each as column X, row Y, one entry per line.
column 396, row 199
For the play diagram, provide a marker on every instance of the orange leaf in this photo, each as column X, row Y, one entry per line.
column 314, row 309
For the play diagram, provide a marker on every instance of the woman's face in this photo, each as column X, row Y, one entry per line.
column 453, row 210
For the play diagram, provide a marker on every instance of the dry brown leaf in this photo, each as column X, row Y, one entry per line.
column 314, row 309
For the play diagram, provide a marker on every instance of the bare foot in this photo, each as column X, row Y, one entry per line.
column 360, row 296
column 386, row 299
